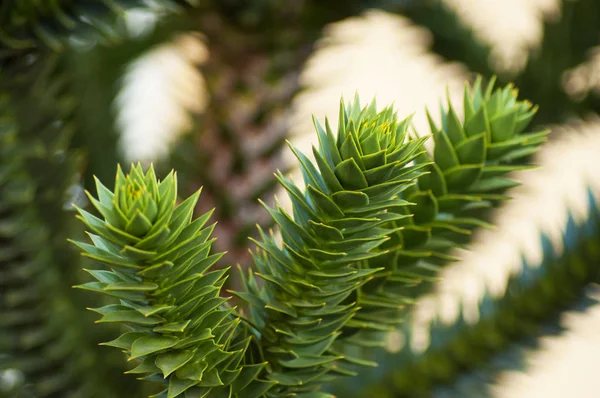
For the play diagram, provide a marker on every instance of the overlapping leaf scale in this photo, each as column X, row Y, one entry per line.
column 466, row 175
column 473, row 157
column 179, row 330
column 339, row 222
column 534, row 299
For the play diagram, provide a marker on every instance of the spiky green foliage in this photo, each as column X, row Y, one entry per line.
column 534, row 295
column 338, row 223
column 159, row 264
column 367, row 181
column 465, row 175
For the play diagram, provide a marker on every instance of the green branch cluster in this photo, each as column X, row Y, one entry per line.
column 339, row 222
column 462, row 179
column 361, row 234
column 461, row 353
column 160, row 261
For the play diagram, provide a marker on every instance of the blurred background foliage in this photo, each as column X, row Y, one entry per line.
column 215, row 88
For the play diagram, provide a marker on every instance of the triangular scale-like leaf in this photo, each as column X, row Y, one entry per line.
column 478, row 124
column 335, row 154
column 124, row 341
column 248, row 374
column 99, row 287
column 376, row 159
column 139, row 225
column 380, row 174
column 171, row 361
column 524, row 119
column 210, row 379
column 148, row 310
column 177, row 386
column 256, row 389
column 326, row 205
column 444, row 154
column 462, row 176
column 309, row 361
column 432, row 126
column 281, row 307
column 454, row 129
column 322, row 255
column 324, row 144
column 468, row 108
column 137, row 254
column 350, row 199
column 204, row 334
column 146, row 366
column 472, row 150
column 130, row 316
column 503, row 126
column 309, row 172
column 298, row 377
column 327, row 173
column 350, row 175
column 151, row 344
column 370, row 144
column 132, row 286
column 325, row 231
column 517, row 153
column 155, row 269
column 492, row 184
column 426, row 207
column 433, row 181
column 174, row 327
column 192, row 370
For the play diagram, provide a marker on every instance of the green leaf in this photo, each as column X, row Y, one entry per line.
column 425, row 208
column 171, row 361
column 478, row 124
column 151, row 344
column 130, row 316
column 434, row 181
column 326, row 231
column 492, row 184
column 462, row 176
column 132, row 286
column 146, row 366
column 326, row 171
column 503, row 126
column 454, row 128
column 257, row 389
column 178, row 386
column 444, row 155
column 174, row 327
column 192, row 370
column 350, row 199
column 350, row 175
column 124, row 341
column 138, row 225
column 211, row 379
column 472, row 150
column 326, row 205
column 309, row 361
